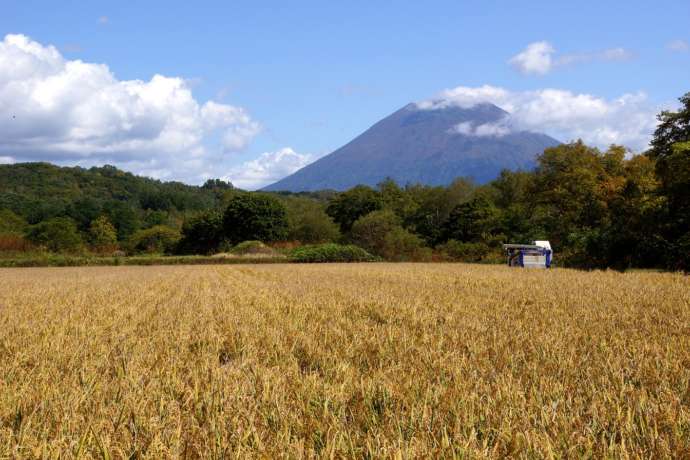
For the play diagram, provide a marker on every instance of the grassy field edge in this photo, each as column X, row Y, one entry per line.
column 86, row 261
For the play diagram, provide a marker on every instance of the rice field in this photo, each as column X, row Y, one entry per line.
column 360, row 360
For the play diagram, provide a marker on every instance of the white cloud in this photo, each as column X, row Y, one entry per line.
column 614, row 54
column 540, row 58
column 269, row 167
column 464, row 128
column 70, row 111
column 239, row 127
column 467, row 128
column 6, row 160
column 608, row 55
column 628, row 120
column 535, row 59
column 103, row 20
column 466, row 97
column 680, row 46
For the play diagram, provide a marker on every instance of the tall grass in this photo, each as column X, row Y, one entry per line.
column 354, row 360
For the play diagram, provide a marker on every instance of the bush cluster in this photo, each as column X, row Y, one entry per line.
column 331, row 252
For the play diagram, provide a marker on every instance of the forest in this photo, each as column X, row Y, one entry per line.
column 599, row 209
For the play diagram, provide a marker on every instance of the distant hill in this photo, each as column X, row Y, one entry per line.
column 40, row 190
column 431, row 147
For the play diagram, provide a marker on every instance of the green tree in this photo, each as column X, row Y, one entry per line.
column 152, row 218
column 397, row 199
column 435, row 205
column 11, row 223
column 567, row 180
column 58, row 234
column 347, row 207
column 673, row 128
column 402, row 245
column 513, row 187
column 675, row 189
column 217, row 184
column 155, row 240
column 102, row 234
column 202, row 234
column 512, row 192
column 83, row 211
column 369, row 231
column 308, row 221
column 574, row 186
column 631, row 238
column 124, row 217
column 470, row 221
column 255, row 216
column 156, row 200
column 380, row 233
column 671, row 150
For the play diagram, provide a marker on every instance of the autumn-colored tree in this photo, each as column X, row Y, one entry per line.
column 102, row 233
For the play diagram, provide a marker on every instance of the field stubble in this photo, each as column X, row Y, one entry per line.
column 393, row 360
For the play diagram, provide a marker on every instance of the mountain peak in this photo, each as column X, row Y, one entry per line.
column 424, row 145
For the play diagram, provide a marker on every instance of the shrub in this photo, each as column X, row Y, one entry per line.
column 401, row 245
column 331, row 252
column 11, row 242
column 369, row 231
column 58, row 235
column 285, row 246
column 463, row 252
column 251, row 247
column 154, row 240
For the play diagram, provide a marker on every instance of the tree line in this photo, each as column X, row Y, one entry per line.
column 598, row 208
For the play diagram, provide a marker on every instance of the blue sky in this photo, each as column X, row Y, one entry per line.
column 291, row 81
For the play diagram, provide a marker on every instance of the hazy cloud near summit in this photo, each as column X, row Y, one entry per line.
column 629, row 119
column 468, row 128
column 63, row 110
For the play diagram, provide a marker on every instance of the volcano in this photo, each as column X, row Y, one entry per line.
column 426, row 146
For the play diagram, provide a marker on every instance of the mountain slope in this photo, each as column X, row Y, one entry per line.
column 426, row 146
